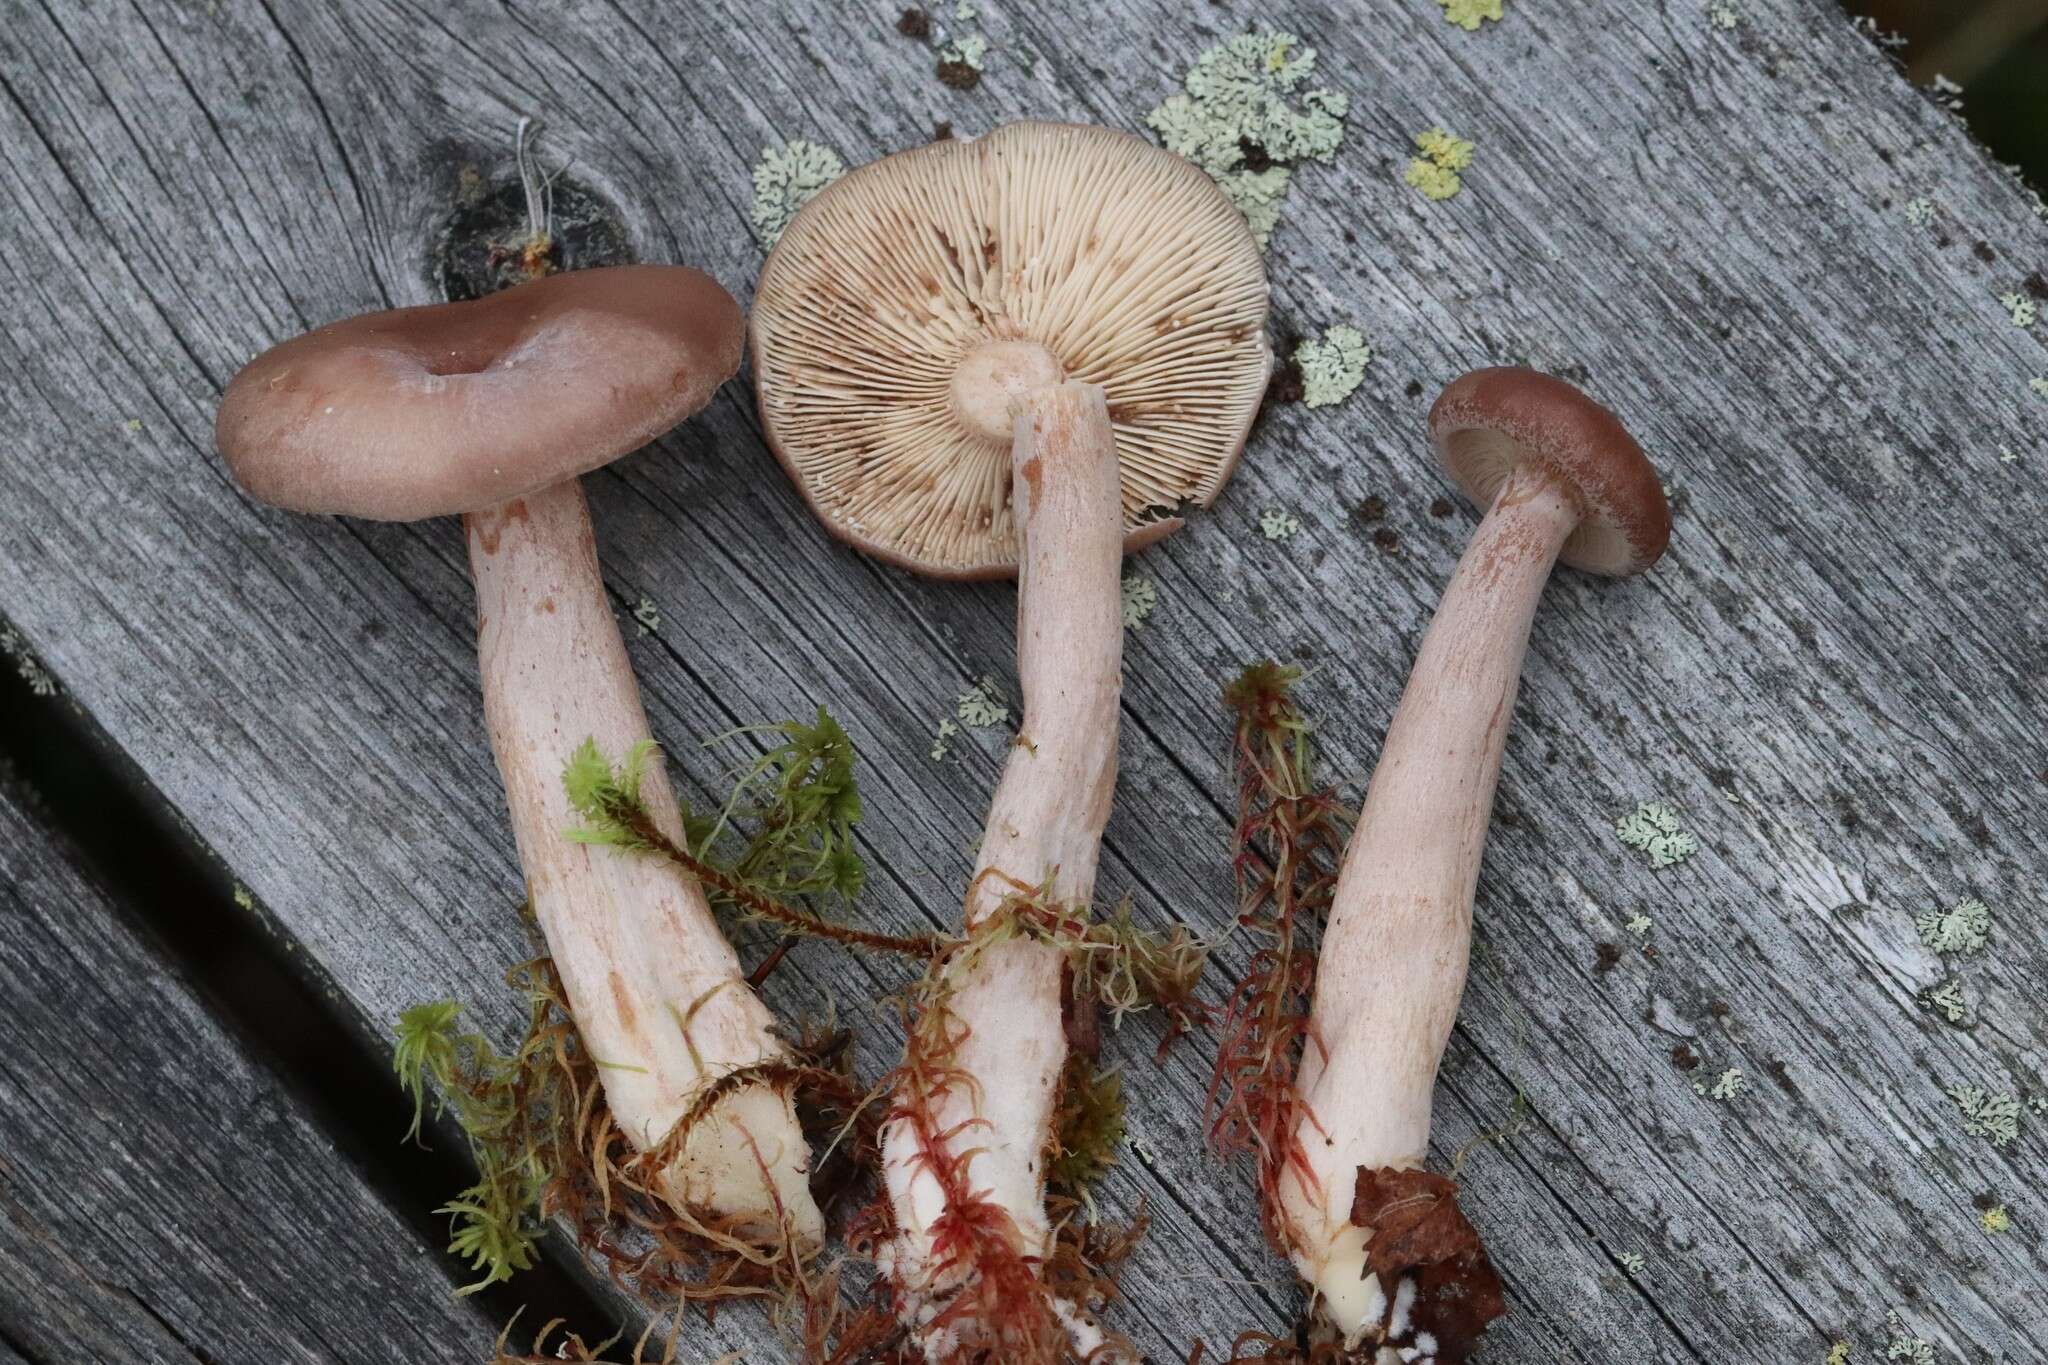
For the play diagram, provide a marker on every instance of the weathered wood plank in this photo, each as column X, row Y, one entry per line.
column 161, row 1197
column 1845, row 638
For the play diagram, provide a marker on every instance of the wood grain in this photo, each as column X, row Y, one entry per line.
column 161, row 1197
column 1839, row 670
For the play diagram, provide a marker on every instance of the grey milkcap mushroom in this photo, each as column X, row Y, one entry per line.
column 1016, row 354
column 492, row 408
column 910, row 304
column 1382, row 1242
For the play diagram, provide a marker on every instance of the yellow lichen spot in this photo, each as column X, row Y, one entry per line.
column 1467, row 14
column 1451, row 153
column 1838, row 1354
column 1996, row 1219
column 1433, row 180
column 1435, row 172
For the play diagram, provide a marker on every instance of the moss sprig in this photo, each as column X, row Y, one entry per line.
column 607, row 796
column 1287, row 846
column 802, row 800
column 509, row 1106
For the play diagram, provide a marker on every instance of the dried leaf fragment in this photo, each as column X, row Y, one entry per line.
column 1418, row 1230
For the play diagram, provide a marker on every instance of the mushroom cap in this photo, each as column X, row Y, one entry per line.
column 454, row 407
column 1489, row 422
column 1036, row 253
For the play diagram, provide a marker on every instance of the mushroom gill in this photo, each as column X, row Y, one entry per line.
column 909, row 305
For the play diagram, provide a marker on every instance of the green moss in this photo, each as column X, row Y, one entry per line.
column 1088, row 1127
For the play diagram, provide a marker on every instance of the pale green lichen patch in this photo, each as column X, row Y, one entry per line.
column 646, row 615
column 2020, row 308
column 1467, row 14
column 982, row 706
column 785, row 179
column 1435, row 172
column 1996, row 1220
column 1245, row 118
column 1993, row 1117
column 969, row 50
column 242, row 897
column 1332, row 365
column 39, row 680
column 1727, row 1085
column 1920, row 210
column 1639, row 925
column 1277, row 523
column 942, row 739
column 1654, row 828
column 1904, row 1345
column 1723, row 15
column 1140, row 595
column 1964, row 928
column 1947, row 1001
column 2039, row 386
column 1631, row 1262
column 1838, row 1354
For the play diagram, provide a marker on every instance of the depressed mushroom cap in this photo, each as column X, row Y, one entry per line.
column 455, row 407
column 1489, row 422
column 908, row 302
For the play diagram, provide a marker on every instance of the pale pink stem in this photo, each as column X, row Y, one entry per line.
column 654, row 987
column 1393, row 959
column 1044, row 826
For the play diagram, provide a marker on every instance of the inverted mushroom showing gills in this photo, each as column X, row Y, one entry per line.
column 912, row 302
column 492, row 408
column 1392, row 1259
column 1017, row 354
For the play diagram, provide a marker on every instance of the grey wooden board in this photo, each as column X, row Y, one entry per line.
column 1838, row 670
column 162, row 1198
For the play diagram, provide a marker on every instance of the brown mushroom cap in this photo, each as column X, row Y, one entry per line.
column 1489, row 422
column 422, row 412
column 908, row 306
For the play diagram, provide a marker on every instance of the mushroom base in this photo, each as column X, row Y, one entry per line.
column 655, row 990
column 1405, row 1279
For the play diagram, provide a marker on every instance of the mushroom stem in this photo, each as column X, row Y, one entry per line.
column 655, row 989
column 993, row 1115
column 1394, row 956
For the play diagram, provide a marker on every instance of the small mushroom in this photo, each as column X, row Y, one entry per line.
column 493, row 408
column 1021, row 353
column 1560, row 479
column 911, row 303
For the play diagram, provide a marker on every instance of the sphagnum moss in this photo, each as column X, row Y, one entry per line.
column 545, row 1144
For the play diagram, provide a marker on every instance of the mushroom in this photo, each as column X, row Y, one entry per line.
column 492, row 408
column 1382, row 1242
column 1018, row 354
column 909, row 305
